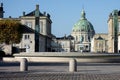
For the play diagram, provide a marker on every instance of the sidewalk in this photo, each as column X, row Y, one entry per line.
column 58, row 76
column 59, row 71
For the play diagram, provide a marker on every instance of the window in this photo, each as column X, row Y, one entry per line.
column 81, row 39
column 41, row 27
column 76, row 38
column 98, row 45
column 86, row 38
column 66, row 50
column 27, row 37
column 62, row 44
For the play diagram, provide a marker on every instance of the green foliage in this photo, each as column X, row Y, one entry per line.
column 10, row 31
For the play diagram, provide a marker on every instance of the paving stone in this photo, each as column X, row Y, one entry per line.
column 39, row 71
column 58, row 76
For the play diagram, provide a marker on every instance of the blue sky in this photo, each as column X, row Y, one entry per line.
column 65, row 13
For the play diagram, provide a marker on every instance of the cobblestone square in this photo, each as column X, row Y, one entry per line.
column 59, row 71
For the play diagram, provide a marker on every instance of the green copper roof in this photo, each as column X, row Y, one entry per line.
column 83, row 24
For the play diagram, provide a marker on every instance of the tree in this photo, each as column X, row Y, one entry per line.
column 10, row 31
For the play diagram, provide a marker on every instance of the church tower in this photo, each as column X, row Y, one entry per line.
column 1, row 11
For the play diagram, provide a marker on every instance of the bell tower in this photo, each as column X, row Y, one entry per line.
column 1, row 11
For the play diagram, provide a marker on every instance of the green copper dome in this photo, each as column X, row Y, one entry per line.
column 83, row 24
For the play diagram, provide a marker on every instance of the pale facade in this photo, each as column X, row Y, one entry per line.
column 63, row 44
column 99, row 43
column 44, row 27
column 45, row 22
column 81, row 39
column 28, row 42
column 45, row 35
column 119, row 32
column 83, row 32
column 113, row 32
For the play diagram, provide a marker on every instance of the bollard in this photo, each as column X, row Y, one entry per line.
column 23, row 64
column 72, row 65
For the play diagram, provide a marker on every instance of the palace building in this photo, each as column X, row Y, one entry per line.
column 86, row 40
column 80, row 38
column 99, row 43
column 37, row 35
column 114, row 32
column 109, row 42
